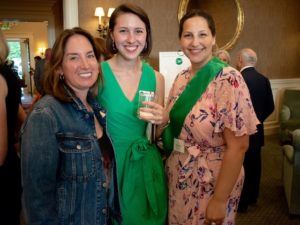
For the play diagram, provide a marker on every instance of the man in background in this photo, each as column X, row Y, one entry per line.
column 263, row 103
column 39, row 71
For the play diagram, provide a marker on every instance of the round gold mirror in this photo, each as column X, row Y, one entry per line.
column 228, row 16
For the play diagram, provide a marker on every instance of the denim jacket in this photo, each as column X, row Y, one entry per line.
column 62, row 173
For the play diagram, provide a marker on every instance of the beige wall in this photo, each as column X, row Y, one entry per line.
column 272, row 28
column 162, row 14
column 37, row 32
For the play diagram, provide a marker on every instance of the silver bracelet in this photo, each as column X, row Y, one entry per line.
column 164, row 126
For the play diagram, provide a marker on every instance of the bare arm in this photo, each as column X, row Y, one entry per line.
column 229, row 172
column 21, row 114
column 20, row 119
column 160, row 88
column 3, row 120
column 164, row 118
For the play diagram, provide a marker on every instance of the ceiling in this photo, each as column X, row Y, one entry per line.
column 27, row 10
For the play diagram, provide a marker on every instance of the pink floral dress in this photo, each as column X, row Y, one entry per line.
column 192, row 175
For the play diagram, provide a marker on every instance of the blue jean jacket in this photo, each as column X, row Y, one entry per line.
column 62, row 173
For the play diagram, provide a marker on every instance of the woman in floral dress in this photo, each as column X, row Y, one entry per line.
column 205, row 173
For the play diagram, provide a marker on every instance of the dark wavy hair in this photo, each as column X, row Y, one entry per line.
column 200, row 13
column 52, row 83
column 139, row 12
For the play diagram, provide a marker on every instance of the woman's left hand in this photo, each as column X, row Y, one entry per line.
column 215, row 212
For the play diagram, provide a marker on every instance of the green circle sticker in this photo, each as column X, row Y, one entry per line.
column 179, row 61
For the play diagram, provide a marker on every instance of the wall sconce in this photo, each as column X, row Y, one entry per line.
column 42, row 51
column 103, row 23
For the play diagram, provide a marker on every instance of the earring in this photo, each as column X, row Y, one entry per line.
column 114, row 46
column 145, row 47
column 61, row 76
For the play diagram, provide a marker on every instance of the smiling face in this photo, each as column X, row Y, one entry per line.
column 197, row 41
column 129, row 35
column 79, row 66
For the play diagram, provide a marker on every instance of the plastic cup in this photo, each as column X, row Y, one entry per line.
column 145, row 96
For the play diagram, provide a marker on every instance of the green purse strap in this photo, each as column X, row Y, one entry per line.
column 193, row 91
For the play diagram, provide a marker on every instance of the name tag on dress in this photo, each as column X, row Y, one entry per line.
column 178, row 145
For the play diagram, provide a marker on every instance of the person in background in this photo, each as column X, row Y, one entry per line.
column 67, row 160
column 104, row 54
column 11, row 65
column 39, row 71
column 37, row 59
column 11, row 114
column 140, row 171
column 210, row 125
column 263, row 103
column 223, row 55
column 36, row 94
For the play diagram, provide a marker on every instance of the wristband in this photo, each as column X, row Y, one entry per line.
column 164, row 126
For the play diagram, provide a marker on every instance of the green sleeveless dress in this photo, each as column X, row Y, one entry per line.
column 140, row 171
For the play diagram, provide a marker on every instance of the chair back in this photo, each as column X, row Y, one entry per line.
column 292, row 100
column 291, row 173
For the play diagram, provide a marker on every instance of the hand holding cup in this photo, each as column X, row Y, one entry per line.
column 148, row 109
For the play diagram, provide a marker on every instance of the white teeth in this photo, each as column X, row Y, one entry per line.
column 131, row 48
column 195, row 50
column 85, row 74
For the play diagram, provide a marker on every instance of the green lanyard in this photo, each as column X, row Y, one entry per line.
column 188, row 98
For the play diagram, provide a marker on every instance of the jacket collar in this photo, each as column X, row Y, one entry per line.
column 246, row 67
column 75, row 99
column 79, row 105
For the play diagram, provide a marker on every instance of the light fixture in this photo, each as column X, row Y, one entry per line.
column 42, row 51
column 103, row 20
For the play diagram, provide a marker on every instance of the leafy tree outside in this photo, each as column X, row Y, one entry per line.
column 14, row 50
column 15, row 55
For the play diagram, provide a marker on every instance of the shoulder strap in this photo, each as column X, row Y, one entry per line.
column 148, row 79
column 193, row 91
column 105, row 68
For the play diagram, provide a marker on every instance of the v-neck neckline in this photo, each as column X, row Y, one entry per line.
column 120, row 88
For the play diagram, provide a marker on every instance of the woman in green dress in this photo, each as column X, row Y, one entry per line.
column 140, row 171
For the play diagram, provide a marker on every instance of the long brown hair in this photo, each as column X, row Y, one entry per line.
column 101, row 44
column 52, row 83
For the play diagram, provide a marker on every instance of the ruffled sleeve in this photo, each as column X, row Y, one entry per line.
column 234, row 109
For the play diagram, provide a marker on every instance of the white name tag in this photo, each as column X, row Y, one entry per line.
column 178, row 145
